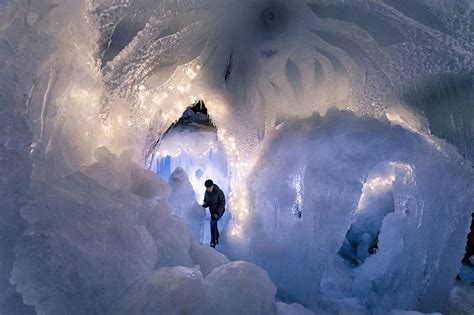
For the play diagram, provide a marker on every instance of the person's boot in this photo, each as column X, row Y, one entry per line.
column 213, row 245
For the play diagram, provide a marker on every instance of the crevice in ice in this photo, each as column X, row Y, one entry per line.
column 339, row 68
column 384, row 186
column 318, row 72
column 419, row 12
column 228, row 68
column 295, row 79
column 345, row 44
column 122, row 34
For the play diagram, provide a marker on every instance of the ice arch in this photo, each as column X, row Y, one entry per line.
column 345, row 168
column 388, row 185
column 267, row 61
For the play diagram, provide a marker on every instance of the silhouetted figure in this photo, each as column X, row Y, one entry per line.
column 214, row 199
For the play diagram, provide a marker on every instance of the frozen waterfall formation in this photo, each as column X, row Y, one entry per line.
column 348, row 133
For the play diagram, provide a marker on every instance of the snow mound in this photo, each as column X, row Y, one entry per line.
column 174, row 290
column 233, row 288
column 207, row 258
column 241, row 288
column 121, row 173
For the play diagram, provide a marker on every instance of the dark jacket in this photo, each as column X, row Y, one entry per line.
column 215, row 200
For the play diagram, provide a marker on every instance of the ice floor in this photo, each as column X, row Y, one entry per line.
column 461, row 300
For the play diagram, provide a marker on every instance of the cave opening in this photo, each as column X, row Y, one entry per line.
column 188, row 154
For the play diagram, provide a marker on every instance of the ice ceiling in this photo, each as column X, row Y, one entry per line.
column 79, row 76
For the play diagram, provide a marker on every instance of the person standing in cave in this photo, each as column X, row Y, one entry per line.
column 214, row 199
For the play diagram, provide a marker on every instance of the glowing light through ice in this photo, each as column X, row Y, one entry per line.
column 383, row 180
column 297, row 182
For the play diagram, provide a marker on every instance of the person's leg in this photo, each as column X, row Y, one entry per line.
column 213, row 231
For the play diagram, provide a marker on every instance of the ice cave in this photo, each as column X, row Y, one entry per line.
column 340, row 134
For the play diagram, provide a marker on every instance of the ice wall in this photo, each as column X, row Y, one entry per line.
column 15, row 172
column 446, row 101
